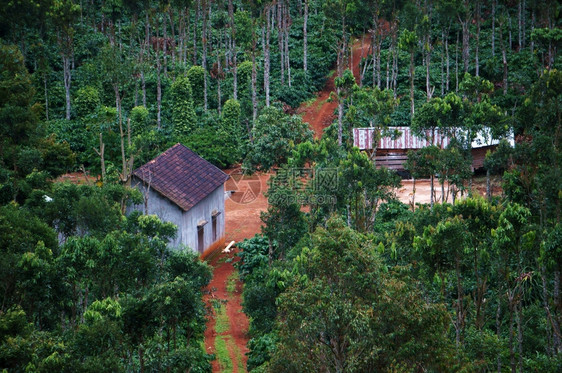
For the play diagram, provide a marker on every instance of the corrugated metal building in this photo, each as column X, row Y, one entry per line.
column 182, row 188
column 392, row 152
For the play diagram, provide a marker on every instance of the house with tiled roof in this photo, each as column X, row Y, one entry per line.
column 182, row 188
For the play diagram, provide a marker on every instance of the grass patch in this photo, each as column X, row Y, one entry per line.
column 222, row 344
column 238, row 356
column 223, row 356
column 222, row 323
column 310, row 101
column 232, row 282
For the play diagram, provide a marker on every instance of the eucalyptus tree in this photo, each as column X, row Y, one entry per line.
column 372, row 107
column 408, row 42
column 344, row 88
column 63, row 15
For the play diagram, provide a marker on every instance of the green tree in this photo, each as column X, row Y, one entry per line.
column 409, row 42
column 360, row 316
column 363, row 187
column 512, row 240
column 285, row 223
column 273, row 136
column 27, row 247
column 63, row 15
column 344, row 87
column 18, row 123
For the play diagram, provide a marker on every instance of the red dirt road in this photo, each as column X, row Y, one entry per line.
column 320, row 114
column 242, row 220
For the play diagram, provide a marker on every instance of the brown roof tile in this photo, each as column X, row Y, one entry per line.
column 182, row 176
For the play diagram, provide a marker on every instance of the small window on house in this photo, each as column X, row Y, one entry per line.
column 200, row 239
column 201, row 236
column 215, row 215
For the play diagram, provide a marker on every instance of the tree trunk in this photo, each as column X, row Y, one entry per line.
column 219, row 78
column 67, row 80
column 412, row 83
column 513, row 364
column 173, row 31
column 488, row 186
column 431, row 202
column 158, row 82
column 465, row 45
column 498, row 331
column 124, row 172
column 414, row 195
column 387, row 72
column 394, row 48
column 340, row 116
column 376, row 47
column 254, row 79
column 429, row 90
column 46, row 97
column 519, row 26
column 101, row 154
column 504, row 60
column 142, row 52
column 305, row 37
column 457, row 64
column 532, row 43
column 510, row 36
column 233, row 51
column 460, row 308
column 476, row 58
column 195, row 27
column 204, row 62
column 287, row 21
column 266, row 62
column 280, row 35
column 556, row 322
column 181, row 35
column 493, row 28
column 519, row 321
column 270, row 251
column 165, row 44
column 143, row 86
column 523, row 25
column 447, row 62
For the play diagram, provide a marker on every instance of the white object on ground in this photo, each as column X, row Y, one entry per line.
column 227, row 249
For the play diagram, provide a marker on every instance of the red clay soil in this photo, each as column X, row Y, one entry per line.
column 76, row 178
column 242, row 220
column 321, row 114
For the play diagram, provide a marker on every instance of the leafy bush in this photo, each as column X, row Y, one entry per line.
column 196, row 75
column 183, row 114
column 273, row 136
column 87, row 101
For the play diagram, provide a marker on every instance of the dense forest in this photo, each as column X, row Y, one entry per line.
column 343, row 277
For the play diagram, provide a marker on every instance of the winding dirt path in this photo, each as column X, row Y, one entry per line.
column 320, row 114
column 242, row 220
